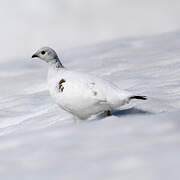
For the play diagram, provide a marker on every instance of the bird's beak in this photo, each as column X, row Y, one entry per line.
column 34, row 55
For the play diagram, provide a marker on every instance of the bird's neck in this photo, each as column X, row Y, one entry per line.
column 55, row 67
column 55, row 64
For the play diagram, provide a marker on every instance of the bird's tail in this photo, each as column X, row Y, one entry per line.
column 138, row 97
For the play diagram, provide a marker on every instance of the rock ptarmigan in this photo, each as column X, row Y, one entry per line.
column 81, row 94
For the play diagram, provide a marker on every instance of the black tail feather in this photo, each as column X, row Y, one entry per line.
column 138, row 97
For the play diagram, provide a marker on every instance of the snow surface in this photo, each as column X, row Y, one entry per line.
column 39, row 141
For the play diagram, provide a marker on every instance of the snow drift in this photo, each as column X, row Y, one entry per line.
column 39, row 141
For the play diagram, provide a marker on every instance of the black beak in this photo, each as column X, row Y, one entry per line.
column 34, row 55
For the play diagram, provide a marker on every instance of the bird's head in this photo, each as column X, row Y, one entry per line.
column 46, row 53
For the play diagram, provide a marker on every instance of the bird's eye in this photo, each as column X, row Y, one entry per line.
column 43, row 52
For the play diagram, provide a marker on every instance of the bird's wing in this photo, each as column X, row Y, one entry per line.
column 87, row 89
column 82, row 85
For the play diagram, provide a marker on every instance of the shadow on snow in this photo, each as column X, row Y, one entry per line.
column 125, row 112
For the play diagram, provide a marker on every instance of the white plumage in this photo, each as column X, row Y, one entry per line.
column 78, row 93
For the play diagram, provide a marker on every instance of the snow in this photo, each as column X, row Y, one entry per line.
column 40, row 141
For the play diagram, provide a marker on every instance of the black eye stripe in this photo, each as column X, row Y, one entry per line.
column 43, row 52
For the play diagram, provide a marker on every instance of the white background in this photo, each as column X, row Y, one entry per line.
column 28, row 25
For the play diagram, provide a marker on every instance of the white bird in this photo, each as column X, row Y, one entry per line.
column 81, row 94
